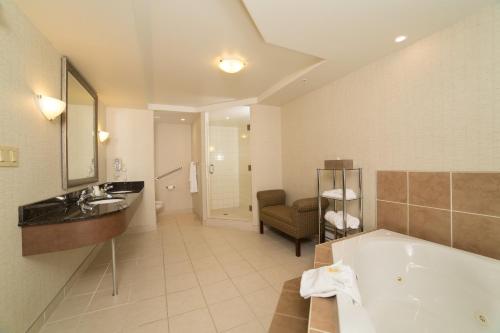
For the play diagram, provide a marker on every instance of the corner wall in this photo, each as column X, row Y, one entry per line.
column 131, row 138
column 265, row 151
column 434, row 105
column 196, row 155
column 29, row 65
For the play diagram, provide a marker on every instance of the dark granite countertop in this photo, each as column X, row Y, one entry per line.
column 64, row 208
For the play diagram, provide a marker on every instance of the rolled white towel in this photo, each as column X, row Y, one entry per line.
column 329, row 281
column 336, row 193
column 337, row 219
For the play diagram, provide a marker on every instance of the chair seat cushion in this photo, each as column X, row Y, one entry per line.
column 282, row 213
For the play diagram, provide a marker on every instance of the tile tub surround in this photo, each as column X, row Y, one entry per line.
column 458, row 209
column 183, row 277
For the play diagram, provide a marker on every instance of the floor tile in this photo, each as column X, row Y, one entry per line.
column 231, row 313
column 212, row 275
column 177, row 268
column 63, row 326
column 250, row 283
column 180, row 282
column 185, row 301
column 251, row 327
column 159, row 326
column 205, row 263
column 238, row 268
column 263, row 302
column 104, row 321
column 219, row 291
column 140, row 290
column 197, row 321
column 71, row 307
column 145, row 311
column 104, row 299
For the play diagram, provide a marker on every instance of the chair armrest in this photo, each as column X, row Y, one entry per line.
column 309, row 204
column 271, row 198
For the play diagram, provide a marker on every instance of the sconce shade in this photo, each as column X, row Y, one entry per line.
column 50, row 107
column 103, row 136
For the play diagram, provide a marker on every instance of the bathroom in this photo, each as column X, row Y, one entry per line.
column 198, row 166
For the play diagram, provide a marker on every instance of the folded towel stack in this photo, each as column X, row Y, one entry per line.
column 336, row 193
column 329, row 281
column 337, row 219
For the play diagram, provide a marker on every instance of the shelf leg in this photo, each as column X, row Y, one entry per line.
column 113, row 263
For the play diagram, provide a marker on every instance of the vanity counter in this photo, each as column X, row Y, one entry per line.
column 61, row 223
column 64, row 208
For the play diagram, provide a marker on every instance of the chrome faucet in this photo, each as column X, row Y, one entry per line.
column 84, row 195
column 107, row 187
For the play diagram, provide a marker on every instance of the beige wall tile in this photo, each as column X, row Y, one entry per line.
column 478, row 234
column 430, row 189
column 430, row 224
column 392, row 186
column 392, row 216
column 476, row 193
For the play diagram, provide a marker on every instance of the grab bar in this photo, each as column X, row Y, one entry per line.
column 168, row 173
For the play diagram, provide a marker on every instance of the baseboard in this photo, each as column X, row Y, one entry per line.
column 237, row 224
column 49, row 309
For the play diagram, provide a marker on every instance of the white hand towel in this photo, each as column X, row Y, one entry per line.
column 329, row 281
column 193, row 182
column 337, row 219
column 337, row 194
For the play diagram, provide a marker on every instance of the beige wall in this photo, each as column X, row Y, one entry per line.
column 29, row 65
column 196, row 155
column 265, row 151
column 244, row 176
column 434, row 105
column 132, row 140
column 173, row 150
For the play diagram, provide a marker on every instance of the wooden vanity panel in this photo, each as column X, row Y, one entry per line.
column 65, row 236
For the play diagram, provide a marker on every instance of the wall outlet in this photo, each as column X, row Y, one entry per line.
column 9, row 156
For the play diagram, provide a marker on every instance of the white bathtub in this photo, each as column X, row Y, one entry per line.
column 410, row 285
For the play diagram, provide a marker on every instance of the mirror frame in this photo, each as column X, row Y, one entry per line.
column 68, row 68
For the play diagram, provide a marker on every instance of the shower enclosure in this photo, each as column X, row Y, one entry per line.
column 229, row 169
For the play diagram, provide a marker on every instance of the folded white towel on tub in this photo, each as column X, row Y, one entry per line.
column 329, row 281
column 336, row 193
column 337, row 219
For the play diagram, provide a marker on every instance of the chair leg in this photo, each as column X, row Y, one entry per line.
column 297, row 247
column 261, row 227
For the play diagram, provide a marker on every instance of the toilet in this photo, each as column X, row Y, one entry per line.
column 158, row 205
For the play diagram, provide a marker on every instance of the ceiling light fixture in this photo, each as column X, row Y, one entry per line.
column 227, row 118
column 183, row 119
column 400, row 39
column 231, row 65
column 50, row 107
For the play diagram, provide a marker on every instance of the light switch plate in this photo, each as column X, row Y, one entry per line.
column 9, row 156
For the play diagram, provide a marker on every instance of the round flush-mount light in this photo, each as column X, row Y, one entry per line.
column 400, row 39
column 231, row 66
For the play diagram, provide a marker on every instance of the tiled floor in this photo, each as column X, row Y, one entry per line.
column 183, row 278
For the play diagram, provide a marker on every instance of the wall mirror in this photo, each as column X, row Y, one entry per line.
column 79, row 129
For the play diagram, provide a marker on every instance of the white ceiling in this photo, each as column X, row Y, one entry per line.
column 348, row 34
column 139, row 52
column 136, row 52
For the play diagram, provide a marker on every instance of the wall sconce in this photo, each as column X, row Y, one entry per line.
column 103, row 135
column 50, row 107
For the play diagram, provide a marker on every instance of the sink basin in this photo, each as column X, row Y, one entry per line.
column 117, row 192
column 105, row 201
